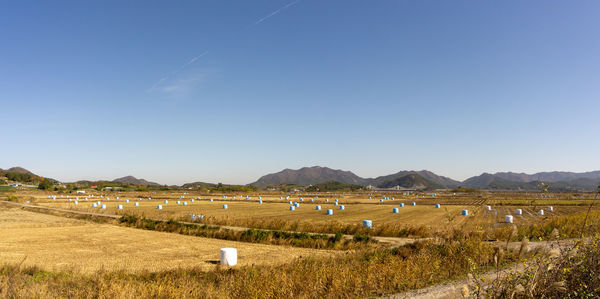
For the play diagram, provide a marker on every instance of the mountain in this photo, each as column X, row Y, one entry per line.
column 20, row 170
column 480, row 181
column 198, row 185
column 554, row 176
column 557, row 181
column 411, row 181
column 317, row 175
column 133, row 181
column 309, row 176
column 433, row 178
column 22, row 175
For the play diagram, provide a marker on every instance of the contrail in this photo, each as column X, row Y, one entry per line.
column 177, row 70
column 173, row 73
column 276, row 12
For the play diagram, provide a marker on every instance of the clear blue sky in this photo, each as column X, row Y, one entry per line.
column 226, row 91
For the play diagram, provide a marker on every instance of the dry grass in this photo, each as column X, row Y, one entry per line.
column 58, row 244
column 358, row 274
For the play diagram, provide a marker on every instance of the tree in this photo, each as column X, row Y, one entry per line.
column 45, row 185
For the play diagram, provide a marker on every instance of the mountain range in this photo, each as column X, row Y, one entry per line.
column 315, row 175
column 420, row 180
column 427, row 180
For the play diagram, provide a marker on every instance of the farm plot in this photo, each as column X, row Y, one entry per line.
column 58, row 244
column 249, row 211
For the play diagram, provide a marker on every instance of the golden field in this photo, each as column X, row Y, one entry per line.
column 60, row 244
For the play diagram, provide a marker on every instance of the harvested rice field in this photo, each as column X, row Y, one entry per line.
column 63, row 244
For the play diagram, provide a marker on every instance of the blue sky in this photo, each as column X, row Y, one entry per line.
column 226, row 91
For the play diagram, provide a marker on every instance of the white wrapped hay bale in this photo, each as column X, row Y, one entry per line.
column 465, row 212
column 94, row 205
column 127, row 200
column 519, row 212
column 329, row 212
column 402, row 205
column 228, row 256
column 318, row 208
column 137, row 204
column 292, row 208
column 185, row 203
column 166, row 201
column 260, row 202
column 437, row 206
column 414, row 203
column 541, row 212
column 488, row 208
column 104, row 207
column 395, row 210
column 178, row 202
column 367, row 224
column 120, row 207
column 342, row 207
column 508, row 219
column 159, row 207
column 550, row 209
column 224, row 207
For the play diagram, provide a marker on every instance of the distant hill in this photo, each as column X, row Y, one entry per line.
column 195, row 185
column 554, row 176
column 317, row 175
column 22, row 175
column 572, row 182
column 411, row 181
column 432, row 178
column 134, row 181
column 20, row 170
column 309, row 176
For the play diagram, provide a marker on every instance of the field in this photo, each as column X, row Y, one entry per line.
column 274, row 212
column 59, row 244
column 85, row 251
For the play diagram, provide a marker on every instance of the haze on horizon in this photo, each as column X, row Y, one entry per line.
column 227, row 91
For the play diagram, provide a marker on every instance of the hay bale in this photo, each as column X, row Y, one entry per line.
column 228, row 256
column 367, row 223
